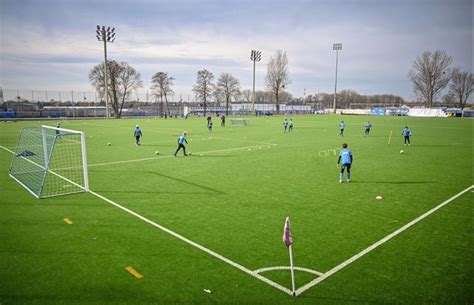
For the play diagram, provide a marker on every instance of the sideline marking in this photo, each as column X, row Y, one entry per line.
column 134, row 272
column 380, row 242
column 390, row 137
column 68, row 221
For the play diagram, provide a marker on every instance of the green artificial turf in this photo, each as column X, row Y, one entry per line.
column 232, row 196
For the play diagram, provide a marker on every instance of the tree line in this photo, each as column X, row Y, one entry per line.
column 430, row 74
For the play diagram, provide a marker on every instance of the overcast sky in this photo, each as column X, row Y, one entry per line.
column 51, row 45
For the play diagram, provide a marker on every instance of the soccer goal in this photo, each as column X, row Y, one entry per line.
column 50, row 161
column 241, row 122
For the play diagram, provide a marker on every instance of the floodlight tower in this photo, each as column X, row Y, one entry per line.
column 254, row 56
column 336, row 47
column 105, row 35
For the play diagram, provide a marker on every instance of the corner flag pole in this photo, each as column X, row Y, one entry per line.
column 288, row 241
column 292, row 272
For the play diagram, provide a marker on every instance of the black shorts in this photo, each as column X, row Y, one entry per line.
column 346, row 165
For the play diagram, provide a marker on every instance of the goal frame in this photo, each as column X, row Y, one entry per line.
column 47, row 158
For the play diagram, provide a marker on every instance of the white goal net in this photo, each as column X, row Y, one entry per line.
column 50, row 161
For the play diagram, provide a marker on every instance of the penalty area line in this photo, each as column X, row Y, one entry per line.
column 379, row 243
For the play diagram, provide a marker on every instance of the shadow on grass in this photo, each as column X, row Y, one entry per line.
column 204, row 187
column 105, row 191
column 393, row 182
column 431, row 145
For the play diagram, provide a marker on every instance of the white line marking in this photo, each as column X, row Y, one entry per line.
column 182, row 238
column 260, row 270
column 171, row 156
column 390, row 137
column 377, row 244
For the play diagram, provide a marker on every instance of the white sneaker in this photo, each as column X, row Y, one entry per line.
column 340, row 181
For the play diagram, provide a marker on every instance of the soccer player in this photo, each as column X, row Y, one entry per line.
column 285, row 124
column 346, row 157
column 290, row 125
column 181, row 141
column 342, row 125
column 406, row 133
column 137, row 133
column 367, row 128
column 209, row 125
column 223, row 121
column 58, row 125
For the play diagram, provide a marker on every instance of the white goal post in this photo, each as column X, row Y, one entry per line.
column 50, row 161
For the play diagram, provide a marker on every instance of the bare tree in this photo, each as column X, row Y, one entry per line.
column 123, row 81
column 229, row 87
column 461, row 86
column 430, row 75
column 161, row 84
column 247, row 95
column 204, row 87
column 277, row 76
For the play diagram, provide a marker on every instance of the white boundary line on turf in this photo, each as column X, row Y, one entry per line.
column 379, row 243
column 180, row 237
column 172, row 156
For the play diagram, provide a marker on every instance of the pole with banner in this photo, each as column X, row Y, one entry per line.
column 288, row 241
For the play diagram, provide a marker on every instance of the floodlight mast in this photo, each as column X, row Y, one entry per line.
column 254, row 56
column 336, row 47
column 105, row 35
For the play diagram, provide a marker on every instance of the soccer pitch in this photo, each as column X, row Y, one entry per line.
column 207, row 228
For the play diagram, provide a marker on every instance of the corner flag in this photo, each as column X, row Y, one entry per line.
column 287, row 239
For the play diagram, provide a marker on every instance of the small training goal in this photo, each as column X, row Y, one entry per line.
column 50, row 161
column 241, row 122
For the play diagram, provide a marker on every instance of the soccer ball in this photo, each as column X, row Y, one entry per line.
column 108, row 144
column 157, row 152
column 402, row 152
column 379, row 197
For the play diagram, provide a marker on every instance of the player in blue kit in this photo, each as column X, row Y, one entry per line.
column 137, row 134
column 181, row 141
column 346, row 157
column 367, row 128
column 342, row 125
column 406, row 133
